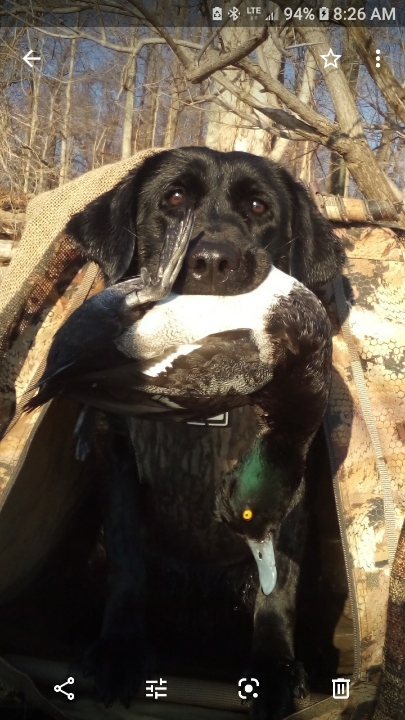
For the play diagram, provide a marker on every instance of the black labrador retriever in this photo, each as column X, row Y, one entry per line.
column 250, row 214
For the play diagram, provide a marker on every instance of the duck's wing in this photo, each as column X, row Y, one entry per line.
column 219, row 365
column 85, row 341
column 213, row 374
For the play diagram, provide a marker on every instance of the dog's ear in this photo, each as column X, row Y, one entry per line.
column 105, row 230
column 317, row 255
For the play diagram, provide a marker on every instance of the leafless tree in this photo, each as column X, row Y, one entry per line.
column 102, row 91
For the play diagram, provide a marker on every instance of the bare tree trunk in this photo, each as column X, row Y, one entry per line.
column 31, row 133
column 391, row 88
column 358, row 155
column 144, row 135
column 350, row 67
column 272, row 61
column 128, row 82
column 175, row 89
column 337, row 175
column 154, row 98
column 64, row 154
column 48, row 135
column 96, row 145
column 305, row 95
column 156, row 112
column 305, row 165
column 226, row 131
column 174, row 109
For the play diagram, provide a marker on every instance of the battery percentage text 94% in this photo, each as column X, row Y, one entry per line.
column 299, row 14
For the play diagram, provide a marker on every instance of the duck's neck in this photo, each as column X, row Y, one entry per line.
column 255, row 466
column 270, row 457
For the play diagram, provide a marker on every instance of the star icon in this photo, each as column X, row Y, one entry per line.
column 330, row 62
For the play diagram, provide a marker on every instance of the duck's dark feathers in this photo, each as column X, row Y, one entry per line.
column 188, row 356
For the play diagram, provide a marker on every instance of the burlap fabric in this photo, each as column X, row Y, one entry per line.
column 45, row 281
column 365, row 423
column 46, row 217
column 38, row 290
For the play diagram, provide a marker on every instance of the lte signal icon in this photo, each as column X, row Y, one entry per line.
column 217, row 13
column 273, row 16
column 324, row 13
column 340, row 689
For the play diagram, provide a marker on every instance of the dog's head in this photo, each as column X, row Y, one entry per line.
column 249, row 214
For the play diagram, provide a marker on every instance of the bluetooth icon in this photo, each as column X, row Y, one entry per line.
column 234, row 13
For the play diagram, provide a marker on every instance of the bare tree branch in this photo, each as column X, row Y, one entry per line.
column 302, row 129
column 153, row 20
column 232, row 57
column 75, row 33
column 216, row 33
column 311, row 117
column 215, row 62
column 367, row 170
column 383, row 77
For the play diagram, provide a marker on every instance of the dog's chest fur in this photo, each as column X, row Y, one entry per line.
column 183, row 465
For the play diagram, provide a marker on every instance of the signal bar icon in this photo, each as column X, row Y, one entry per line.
column 273, row 16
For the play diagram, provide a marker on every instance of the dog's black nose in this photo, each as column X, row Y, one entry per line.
column 211, row 263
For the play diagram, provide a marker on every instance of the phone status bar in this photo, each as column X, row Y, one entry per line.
column 214, row 14
column 310, row 14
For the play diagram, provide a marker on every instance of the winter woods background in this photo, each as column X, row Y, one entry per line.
column 109, row 85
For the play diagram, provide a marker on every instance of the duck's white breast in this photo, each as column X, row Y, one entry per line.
column 184, row 319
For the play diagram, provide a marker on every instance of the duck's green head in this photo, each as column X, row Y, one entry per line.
column 257, row 494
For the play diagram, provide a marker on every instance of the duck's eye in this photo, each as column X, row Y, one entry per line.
column 247, row 514
column 176, row 197
column 258, row 207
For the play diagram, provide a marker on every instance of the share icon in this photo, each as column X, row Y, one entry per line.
column 69, row 695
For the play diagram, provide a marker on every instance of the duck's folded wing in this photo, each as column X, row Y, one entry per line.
column 213, row 374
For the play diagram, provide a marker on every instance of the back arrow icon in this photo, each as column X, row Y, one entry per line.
column 28, row 57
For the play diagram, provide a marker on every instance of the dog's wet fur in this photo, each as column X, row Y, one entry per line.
column 249, row 214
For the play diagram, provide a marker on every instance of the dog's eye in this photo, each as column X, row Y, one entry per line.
column 258, row 207
column 176, row 197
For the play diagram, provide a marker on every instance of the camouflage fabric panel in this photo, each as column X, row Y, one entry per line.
column 33, row 451
column 12, row 448
column 42, row 489
column 369, row 489
column 50, row 302
column 359, row 706
column 391, row 692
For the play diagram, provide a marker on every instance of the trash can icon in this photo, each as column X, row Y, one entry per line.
column 341, row 687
